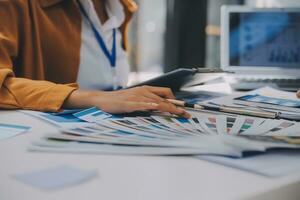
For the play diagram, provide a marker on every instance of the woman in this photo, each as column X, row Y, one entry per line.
column 47, row 44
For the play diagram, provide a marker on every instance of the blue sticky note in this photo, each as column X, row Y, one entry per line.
column 56, row 178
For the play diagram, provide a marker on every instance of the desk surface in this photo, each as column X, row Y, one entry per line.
column 130, row 177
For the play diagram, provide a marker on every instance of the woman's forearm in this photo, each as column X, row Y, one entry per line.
column 82, row 99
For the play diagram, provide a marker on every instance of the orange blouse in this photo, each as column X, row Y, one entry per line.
column 40, row 51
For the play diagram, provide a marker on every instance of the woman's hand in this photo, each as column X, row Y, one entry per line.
column 298, row 94
column 125, row 101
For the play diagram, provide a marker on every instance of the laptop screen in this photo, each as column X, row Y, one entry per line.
column 269, row 39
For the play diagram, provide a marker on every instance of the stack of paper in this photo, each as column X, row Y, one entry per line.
column 285, row 104
column 204, row 133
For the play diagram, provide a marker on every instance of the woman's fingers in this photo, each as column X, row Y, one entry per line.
column 157, row 95
column 132, row 106
column 153, row 96
column 168, row 107
column 298, row 94
column 139, row 106
column 161, row 91
column 144, row 99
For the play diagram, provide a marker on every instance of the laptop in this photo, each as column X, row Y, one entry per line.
column 261, row 46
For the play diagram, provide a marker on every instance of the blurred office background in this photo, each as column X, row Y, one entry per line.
column 168, row 34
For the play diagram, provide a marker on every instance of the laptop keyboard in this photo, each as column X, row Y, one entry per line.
column 244, row 83
column 270, row 80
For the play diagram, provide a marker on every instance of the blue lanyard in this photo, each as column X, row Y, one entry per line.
column 111, row 57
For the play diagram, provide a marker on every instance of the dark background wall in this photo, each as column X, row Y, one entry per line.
column 185, row 34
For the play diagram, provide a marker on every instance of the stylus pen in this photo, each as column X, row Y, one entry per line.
column 226, row 109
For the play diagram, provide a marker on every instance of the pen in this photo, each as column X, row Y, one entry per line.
column 226, row 109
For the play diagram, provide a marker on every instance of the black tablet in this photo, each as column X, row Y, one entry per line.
column 177, row 78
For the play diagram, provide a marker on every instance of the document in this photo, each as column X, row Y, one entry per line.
column 64, row 118
column 204, row 133
column 64, row 146
column 266, row 99
column 11, row 130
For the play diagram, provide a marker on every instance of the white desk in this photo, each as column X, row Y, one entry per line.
column 129, row 177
